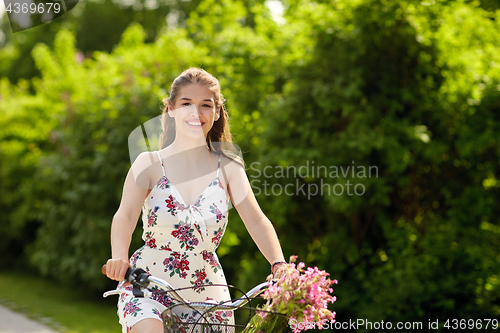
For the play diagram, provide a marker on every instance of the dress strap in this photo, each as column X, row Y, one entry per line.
column 218, row 167
column 162, row 168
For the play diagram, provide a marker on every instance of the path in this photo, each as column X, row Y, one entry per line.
column 13, row 322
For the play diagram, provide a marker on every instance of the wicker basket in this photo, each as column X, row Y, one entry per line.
column 216, row 318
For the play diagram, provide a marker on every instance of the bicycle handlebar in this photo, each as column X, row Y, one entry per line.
column 141, row 279
column 127, row 274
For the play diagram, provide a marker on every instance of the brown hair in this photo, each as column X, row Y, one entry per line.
column 219, row 138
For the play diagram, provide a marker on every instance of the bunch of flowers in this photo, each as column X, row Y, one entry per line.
column 301, row 295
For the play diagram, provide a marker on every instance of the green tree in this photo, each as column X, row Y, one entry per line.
column 98, row 26
column 406, row 89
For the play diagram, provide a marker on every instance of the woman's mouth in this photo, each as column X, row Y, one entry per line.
column 194, row 124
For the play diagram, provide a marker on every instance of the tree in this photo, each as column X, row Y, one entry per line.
column 402, row 88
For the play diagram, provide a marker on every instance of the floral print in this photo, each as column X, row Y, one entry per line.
column 177, row 264
column 136, row 256
column 209, row 257
column 185, row 321
column 150, row 241
column 163, row 183
column 156, row 312
column 184, row 233
column 131, row 308
column 218, row 235
column 201, row 280
column 161, row 297
column 214, row 182
column 176, row 250
column 198, row 229
column 152, row 217
column 166, row 247
column 216, row 211
column 221, row 316
column 171, row 204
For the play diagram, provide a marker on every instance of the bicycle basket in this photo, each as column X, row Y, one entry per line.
column 219, row 318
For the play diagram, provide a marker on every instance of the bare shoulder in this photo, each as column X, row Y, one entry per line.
column 232, row 167
column 145, row 158
column 143, row 170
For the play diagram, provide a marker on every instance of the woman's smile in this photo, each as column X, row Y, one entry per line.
column 194, row 124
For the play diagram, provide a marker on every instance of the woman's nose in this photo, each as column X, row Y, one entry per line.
column 195, row 110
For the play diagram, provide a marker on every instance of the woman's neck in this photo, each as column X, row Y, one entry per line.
column 191, row 152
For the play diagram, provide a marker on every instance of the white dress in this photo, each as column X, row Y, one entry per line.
column 180, row 243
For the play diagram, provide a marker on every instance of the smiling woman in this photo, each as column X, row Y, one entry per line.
column 183, row 228
column 195, row 107
column 200, row 86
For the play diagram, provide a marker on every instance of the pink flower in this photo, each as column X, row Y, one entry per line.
column 301, row 294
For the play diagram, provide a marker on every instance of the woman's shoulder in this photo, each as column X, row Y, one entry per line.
column 231, row 159
column 231, row 166
column 147, row 167
column 228, row 160
column 146, row 159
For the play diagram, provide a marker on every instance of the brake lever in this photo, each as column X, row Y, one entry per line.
column 144, row 293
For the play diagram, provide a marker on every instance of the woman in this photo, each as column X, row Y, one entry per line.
column 182, row 228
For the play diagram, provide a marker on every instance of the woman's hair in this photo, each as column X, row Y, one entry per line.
column 219, row 138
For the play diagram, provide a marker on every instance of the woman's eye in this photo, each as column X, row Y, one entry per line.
column 206, row 105
column 186, row 103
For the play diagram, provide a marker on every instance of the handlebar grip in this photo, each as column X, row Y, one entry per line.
column 127, row 274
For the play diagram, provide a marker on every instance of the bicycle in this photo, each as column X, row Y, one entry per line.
column 204, row 317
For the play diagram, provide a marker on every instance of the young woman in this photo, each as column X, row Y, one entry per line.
column 183, row 218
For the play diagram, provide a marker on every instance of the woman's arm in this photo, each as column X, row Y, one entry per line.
column 135, row 190
column 258, row 225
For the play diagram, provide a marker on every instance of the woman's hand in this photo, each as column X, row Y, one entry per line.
column 116, row 268
column 279, row 269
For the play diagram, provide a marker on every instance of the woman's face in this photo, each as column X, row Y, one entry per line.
column 194, row 110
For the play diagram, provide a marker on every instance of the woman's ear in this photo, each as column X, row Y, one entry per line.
column 170, row 111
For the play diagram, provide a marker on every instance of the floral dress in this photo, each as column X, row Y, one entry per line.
column 180, row 243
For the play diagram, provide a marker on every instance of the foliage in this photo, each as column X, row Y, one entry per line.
column 404, row 89
column 98, row 26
